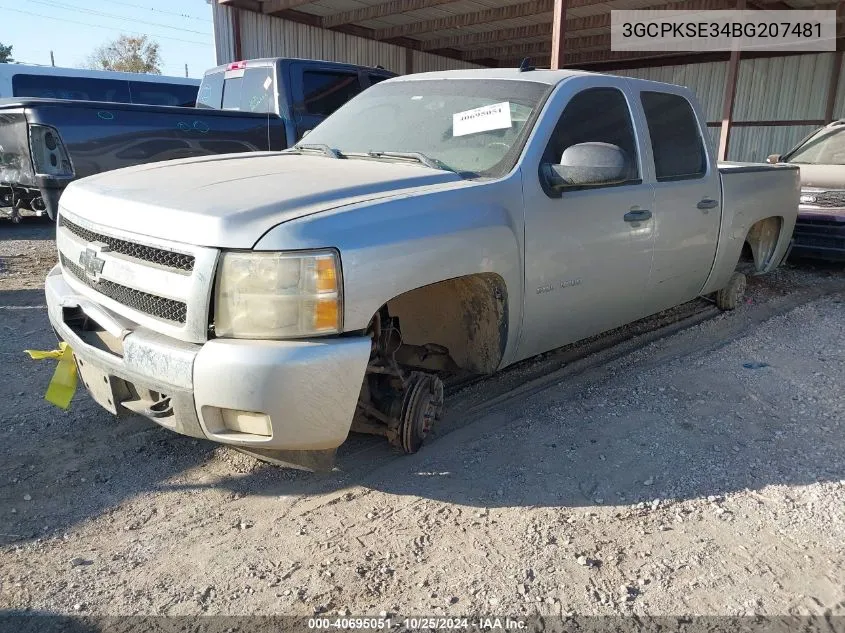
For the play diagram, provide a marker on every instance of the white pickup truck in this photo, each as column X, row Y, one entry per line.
column 437, row 223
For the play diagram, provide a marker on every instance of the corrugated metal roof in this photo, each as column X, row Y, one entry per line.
column 778, row 88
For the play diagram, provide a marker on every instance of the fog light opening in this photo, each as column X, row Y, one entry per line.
column 246, row 422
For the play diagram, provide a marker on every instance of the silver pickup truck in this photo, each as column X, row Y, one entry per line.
column 436, row 224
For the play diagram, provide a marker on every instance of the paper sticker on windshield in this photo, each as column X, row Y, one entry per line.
column 267, row 83
column 484, row 119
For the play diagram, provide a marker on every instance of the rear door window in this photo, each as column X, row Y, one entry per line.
column 675, row 138
column 75, row 88
column 325, row 91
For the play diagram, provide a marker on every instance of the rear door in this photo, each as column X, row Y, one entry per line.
column 320, row 90
column 687, row 197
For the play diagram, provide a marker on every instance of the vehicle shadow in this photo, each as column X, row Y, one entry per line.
column 30, row 227
column 676, row 422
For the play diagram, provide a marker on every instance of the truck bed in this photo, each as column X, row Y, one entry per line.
column 752, row 192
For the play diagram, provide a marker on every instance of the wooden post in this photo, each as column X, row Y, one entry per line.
column 730, row 93
column 558, row 34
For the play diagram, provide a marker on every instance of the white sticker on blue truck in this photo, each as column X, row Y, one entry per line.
column 496, row 116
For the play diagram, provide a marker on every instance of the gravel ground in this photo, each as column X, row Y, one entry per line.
column 701, row 472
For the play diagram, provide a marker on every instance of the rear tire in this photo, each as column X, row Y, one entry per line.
column 729, row 297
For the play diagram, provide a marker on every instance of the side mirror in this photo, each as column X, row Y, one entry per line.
column 588, row 164
column 773, row 159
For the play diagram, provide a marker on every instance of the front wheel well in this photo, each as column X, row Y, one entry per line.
column 455, row 324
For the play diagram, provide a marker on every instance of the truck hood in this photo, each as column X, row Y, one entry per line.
column 230, row 201
column 823, row 176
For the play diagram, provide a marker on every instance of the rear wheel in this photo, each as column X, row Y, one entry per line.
column 729, row 297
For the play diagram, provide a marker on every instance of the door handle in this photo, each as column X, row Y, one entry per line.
column 707, row 203
column 637, row 215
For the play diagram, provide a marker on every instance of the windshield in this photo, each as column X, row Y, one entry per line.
column 471, row 126
column 825, row 147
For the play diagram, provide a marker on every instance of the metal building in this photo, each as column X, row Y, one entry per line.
column 756, row 104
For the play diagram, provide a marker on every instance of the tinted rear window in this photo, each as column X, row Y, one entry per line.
column 249, row 90
column 163, row 94
column 76, row 88
column 111, row 90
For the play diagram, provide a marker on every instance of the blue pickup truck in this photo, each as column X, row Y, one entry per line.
column 253, row 105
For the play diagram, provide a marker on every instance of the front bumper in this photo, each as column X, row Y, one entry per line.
column 307, row 389
column 820, row 233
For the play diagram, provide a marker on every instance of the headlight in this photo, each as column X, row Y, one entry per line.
column 278, row 295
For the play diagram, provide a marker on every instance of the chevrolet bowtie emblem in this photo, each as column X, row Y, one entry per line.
column 91, row 263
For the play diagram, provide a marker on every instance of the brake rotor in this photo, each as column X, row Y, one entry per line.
column 421, row 408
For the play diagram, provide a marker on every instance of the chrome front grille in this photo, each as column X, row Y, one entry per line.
column 159, row 307
column 161, row 285
column 168, row 259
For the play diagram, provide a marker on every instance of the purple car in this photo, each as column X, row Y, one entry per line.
column 820, row 230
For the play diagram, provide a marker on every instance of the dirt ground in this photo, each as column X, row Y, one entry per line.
column 698, row 470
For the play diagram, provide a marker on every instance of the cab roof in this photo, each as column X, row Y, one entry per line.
column 549, row 77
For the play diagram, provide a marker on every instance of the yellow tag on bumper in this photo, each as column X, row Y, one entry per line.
column 63, row 384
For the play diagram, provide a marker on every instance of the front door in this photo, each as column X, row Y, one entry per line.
column 587, row 250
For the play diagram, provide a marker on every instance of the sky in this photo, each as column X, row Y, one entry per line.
column 72, row 29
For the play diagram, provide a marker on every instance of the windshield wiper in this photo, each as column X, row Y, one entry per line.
column 320, row 147
column 428, row 161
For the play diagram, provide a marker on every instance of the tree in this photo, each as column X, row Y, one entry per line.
column 127, row 54
column 5, row 54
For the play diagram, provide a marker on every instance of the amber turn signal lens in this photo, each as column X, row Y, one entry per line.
column 326, row 315
column 326, row 275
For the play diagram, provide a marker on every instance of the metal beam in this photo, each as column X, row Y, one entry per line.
column 395, row 7
column 558, row 35
column 540, row 50
column 461, row 20
column 833, row 84
column 236, row 34
column 600, row 21
column 409, row 61
column 379, row 11
column 729, row 95
column 249, row 5
column 609, row 60
column 271, row 7
column 510, row 51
